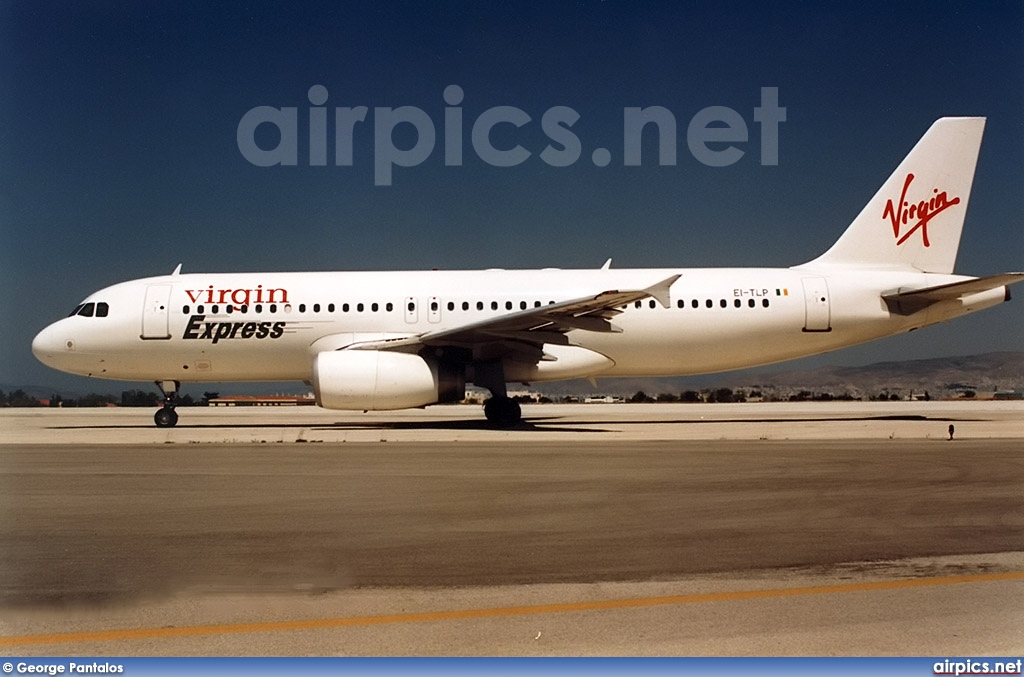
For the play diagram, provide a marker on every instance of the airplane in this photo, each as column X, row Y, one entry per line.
column 396, row 340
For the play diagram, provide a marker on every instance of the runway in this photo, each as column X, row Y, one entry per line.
column 108, row 537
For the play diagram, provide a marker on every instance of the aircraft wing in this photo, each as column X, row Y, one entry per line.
column 544, row 324
column 909, row 302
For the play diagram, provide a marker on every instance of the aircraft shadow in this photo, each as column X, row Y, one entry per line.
column 533, row 424
column 539, row 424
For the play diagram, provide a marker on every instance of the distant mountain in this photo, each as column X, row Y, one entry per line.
column 941, row 377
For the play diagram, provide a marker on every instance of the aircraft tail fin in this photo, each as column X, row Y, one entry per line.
column 914, row 220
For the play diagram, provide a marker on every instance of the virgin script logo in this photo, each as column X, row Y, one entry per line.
column 915, row 215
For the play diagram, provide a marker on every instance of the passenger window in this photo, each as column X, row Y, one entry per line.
column 638, row 304
column 695, row 303
column 213, row 309
column 433, row 306
column 737, row 303
column 479, row 305
column 228, row 308
column 184, row 310
column 302, row 307
column 722, row 303
column 709, row 303
column 102, row 309
column 465, row 305
column 764, row 302
column 389, row 307
column 374, row 307
column 451, row 306
column 316, row 307
column 750, row 303
column 494, row 305
column 411, row 307
column 522, row 305
column 652, row 304
column 508, row 305
column 680, row 303
column 273, row 307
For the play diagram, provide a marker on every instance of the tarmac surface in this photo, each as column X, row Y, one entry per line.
column 824, row 529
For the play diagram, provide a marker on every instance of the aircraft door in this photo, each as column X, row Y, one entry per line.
column 411, row 312
column 434, row 308
column 818, row 311
column 156, row 312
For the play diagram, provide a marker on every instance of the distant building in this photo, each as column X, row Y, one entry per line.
column 1009, row 394
column 263, row 401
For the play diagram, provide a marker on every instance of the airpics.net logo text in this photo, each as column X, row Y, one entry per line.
column 713, row 134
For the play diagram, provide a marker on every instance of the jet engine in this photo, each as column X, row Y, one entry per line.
column 374, row 379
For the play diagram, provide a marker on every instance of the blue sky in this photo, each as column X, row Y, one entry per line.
column 119, row 158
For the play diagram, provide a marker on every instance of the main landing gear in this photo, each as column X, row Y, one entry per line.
column 165, row 416
column 502, row 412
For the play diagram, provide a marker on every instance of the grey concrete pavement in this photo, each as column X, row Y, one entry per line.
column 141, row 537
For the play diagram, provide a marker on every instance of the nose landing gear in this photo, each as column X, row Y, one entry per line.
column 165, row 416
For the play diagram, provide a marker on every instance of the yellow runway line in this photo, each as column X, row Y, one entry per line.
column 466, row 614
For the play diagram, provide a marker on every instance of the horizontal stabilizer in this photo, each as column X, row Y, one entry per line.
column 909, row 302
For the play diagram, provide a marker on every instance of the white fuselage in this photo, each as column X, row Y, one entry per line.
column 391, row 340
column 270, row 326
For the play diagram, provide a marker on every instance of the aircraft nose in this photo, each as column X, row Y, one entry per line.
column 48, row 345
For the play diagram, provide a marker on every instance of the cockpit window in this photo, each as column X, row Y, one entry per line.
column 91, row 309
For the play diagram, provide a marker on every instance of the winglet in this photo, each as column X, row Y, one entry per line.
column 177, row 271
column 607, row 265
column 660, row 291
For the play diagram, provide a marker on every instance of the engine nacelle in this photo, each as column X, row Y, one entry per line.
column 373, row 379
